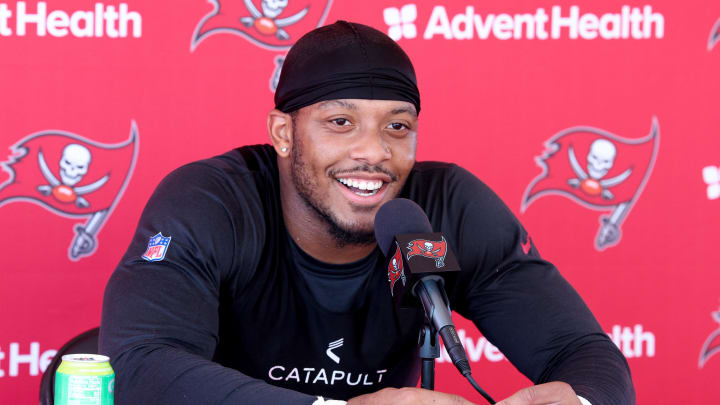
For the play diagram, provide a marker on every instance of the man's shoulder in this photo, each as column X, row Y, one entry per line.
column 431, row 166
column 431, row 169
column 443, row 189
column 251, row 159
column 440, row 178
column 228, row 197
column 246, row 166
column 239, row 180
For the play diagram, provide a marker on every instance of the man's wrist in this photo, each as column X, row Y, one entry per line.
column 322, row 401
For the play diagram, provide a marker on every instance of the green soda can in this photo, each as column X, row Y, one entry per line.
column 84, row 379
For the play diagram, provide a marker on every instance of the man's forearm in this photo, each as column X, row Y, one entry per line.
column 596, row 370
column 161, row 374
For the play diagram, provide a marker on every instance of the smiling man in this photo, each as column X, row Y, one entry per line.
column 342, row 159
column 254, row 276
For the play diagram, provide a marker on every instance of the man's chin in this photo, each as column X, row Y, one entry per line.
column 358, row 220
column 353, row 233
column 365, row 210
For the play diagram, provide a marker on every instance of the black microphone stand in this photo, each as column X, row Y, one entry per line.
column 429, row 351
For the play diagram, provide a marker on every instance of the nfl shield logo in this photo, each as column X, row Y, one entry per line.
column 157, row 247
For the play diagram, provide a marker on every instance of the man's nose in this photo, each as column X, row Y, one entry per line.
column 370, row 147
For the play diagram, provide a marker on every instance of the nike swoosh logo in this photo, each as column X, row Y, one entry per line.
column 526, row 246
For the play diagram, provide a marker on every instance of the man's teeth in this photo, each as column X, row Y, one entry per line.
column 372, row 186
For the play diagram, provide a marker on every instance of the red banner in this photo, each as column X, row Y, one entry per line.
column 596, row 123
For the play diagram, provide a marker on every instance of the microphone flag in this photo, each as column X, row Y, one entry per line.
column 416, row 255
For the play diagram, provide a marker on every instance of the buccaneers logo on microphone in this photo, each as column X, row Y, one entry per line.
column 269, row 24
column 435, row 250
column 395, row 270
column 597, row 170
column 712, row 344
column 70, row 176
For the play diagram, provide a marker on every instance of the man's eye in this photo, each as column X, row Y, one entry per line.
column 340, row 121
column 397, row 126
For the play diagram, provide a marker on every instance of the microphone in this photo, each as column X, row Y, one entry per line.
column 419, row 262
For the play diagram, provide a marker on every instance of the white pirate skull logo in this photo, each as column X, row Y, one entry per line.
column 600, row 160
column 428, row 248
column 74, row 165
column 273, row 8
column 266, row 22
column 395, row 270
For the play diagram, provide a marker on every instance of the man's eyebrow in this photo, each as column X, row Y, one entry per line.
column 337, row 103
column 401, row 110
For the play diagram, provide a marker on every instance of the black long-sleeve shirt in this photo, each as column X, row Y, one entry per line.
column 235, row 312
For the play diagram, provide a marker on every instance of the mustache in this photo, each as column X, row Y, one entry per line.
column 366, row 169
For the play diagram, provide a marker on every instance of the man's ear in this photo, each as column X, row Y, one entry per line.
column 280, row 129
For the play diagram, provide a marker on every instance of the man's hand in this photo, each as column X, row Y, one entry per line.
column 555, row 393
column 409, row 396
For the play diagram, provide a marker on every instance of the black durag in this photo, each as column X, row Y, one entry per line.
column 344, row 61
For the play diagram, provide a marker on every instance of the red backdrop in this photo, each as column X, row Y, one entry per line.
column 507, row 88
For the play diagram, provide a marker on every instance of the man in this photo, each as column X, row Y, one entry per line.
column 270, row 287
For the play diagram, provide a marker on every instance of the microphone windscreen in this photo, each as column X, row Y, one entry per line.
column 398, row 216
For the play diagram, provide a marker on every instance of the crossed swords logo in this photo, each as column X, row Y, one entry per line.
column 74, row 166
column 266, row 22
column 263, row 22
column 435, row 250
column 427, row 248
column 600, row 161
